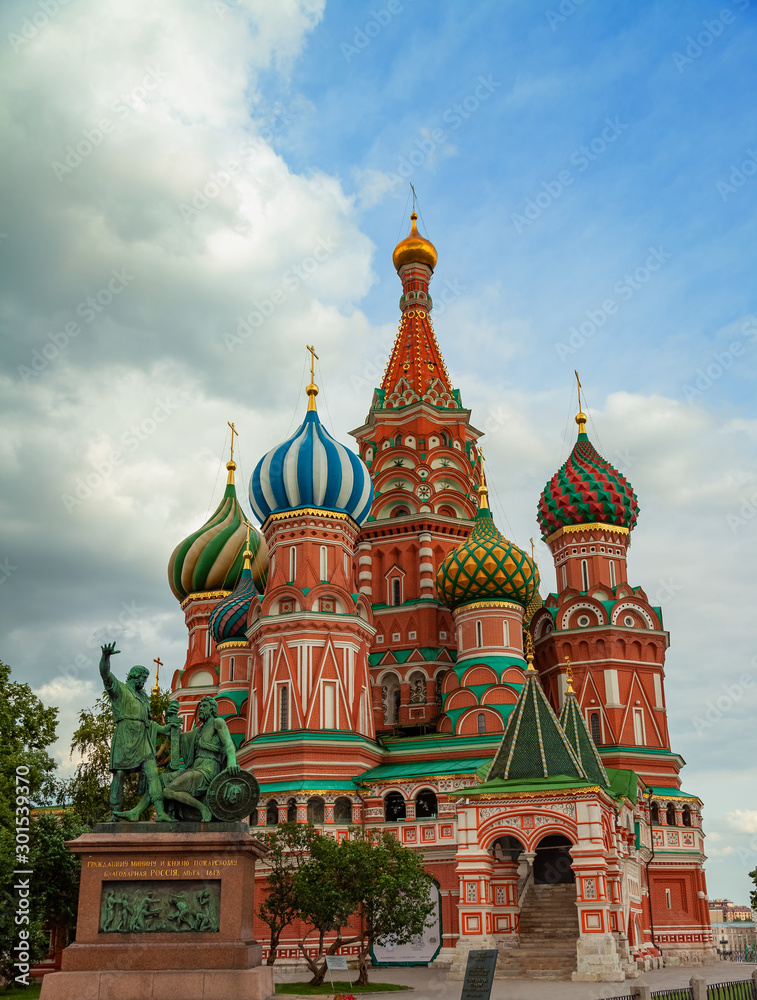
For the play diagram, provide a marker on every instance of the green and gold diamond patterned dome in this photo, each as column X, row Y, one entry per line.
column 486, row 567
column 210, row 561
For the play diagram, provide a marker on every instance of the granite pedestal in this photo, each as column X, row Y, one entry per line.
column 165, row 911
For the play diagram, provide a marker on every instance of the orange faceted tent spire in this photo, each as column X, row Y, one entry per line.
column 416, row 368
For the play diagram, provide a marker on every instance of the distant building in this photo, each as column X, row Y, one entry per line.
column 724, row 910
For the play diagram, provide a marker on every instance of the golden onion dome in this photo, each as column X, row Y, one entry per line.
column 414, row 249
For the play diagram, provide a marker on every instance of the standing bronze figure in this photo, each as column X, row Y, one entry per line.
column 133, row 745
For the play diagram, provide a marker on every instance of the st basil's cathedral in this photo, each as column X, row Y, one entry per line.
column 383, row 656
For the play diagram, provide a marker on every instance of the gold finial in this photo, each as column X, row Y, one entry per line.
column 533, row 557
column 482, row 489
column 580, row 416
column 312, row 389
column 231, row 464
column 158, row 664
column 412, row 188
column 530, row 654
column 247, row 551
column 569, row 675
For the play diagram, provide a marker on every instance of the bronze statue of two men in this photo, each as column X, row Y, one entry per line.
column 208, row 749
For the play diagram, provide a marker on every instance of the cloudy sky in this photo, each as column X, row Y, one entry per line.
column 193, row 191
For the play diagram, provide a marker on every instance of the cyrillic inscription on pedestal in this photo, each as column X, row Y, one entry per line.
column 136, row 908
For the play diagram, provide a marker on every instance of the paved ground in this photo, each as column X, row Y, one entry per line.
column 430, row 984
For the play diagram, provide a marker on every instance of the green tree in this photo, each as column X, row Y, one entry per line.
column 326, row 896
column 289, row 846
column 753, row 877
column 392, row 888
column 27, row 777
column 88, row 791
column 27, row 729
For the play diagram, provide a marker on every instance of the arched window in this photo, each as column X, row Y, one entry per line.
column 292, row 564
column 342, row 810
column 400, row 512
column 654, row 813
column 671, row 814
column 506, row 633
column 394, row 807
column 596, row 729
column 585, row 574
column 231, row 669
column 272, row 813
column 208, row 643
column 480, row 723
column 324, row 564
column 396, row 591
column 564, row 577
column 284, row 707
column 612, row 573
column 686, row 816
column 292, row 811
column 479, row 635
column 315, row 810
column 425, row 804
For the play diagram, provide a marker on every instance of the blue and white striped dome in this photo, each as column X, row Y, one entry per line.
column 311, row 469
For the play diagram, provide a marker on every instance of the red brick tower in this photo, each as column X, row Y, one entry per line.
column 310, row 724
column 615, row 640
column 420, row 447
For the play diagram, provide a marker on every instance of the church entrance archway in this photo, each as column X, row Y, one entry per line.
column 553, row 863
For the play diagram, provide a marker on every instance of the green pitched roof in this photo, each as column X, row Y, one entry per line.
column 623, row 782
column 423, row 769
column 574, row 727
column 534, row 744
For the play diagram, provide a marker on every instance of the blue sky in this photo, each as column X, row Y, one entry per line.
column 588, row 174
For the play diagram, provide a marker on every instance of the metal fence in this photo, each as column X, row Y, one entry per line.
column 744, row 989
column 683, row 993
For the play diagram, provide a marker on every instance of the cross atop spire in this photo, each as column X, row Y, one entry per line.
column 158, row 664
column 231, row 464
column 580, row 416
column 312, row 389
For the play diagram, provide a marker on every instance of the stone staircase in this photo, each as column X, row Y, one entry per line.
column 548, row 936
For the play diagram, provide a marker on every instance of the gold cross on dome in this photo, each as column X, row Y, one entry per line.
column 313, row 358
column 578, row 383
column 233, row 432
column 158, row 664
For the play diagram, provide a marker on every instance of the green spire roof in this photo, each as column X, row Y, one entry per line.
column 534, row 744
column 574, row 727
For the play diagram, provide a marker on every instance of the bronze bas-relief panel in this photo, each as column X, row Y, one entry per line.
column 136, row 907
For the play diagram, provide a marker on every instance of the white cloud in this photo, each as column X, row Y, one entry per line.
column 743, row 820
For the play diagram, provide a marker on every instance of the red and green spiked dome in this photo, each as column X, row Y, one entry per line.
column 486, row 567
column 211, row 558
column 229, row 617
column 586, row 490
